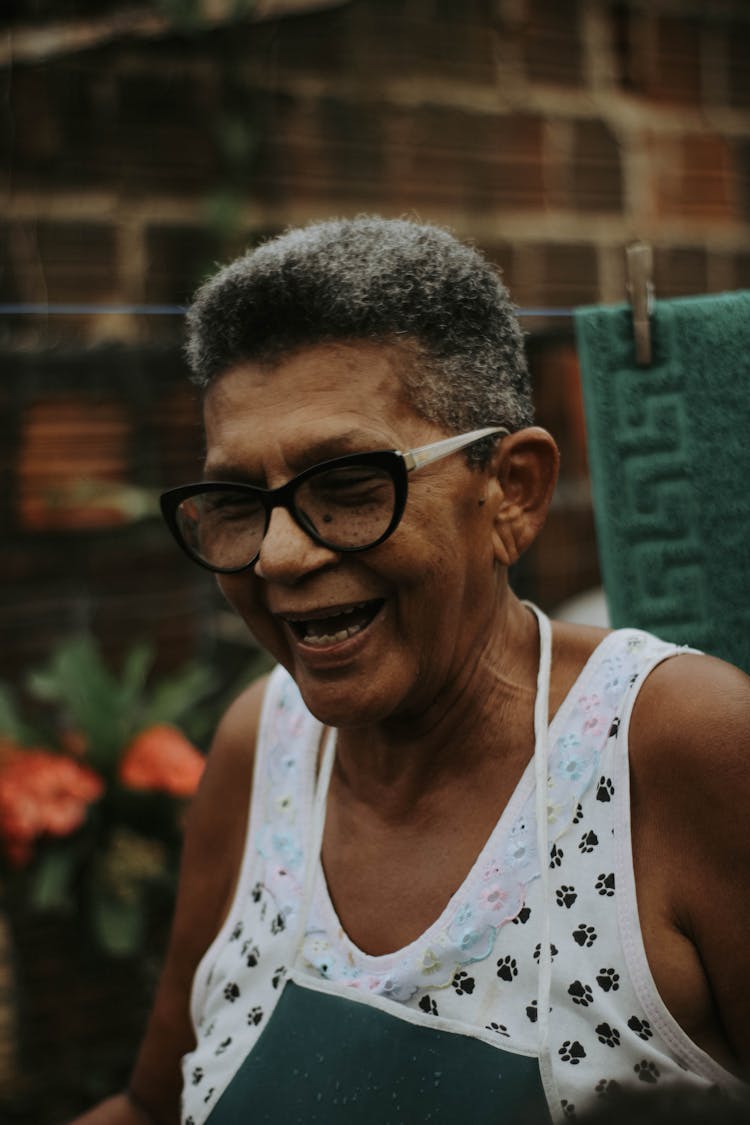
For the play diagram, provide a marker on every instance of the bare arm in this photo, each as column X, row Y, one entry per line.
column 690, row 779
column 211, row 858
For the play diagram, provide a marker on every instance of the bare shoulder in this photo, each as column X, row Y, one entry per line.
column 217, row 821
column 214, row 839
column 692, row 718
column 689, row 748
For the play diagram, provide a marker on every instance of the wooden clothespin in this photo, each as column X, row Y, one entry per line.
column 640, row 265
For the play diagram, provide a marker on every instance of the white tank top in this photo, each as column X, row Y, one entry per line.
column 518, row 937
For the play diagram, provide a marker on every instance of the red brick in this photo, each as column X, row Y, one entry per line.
column 595, row 168
column 680, row 272
column 71, row 261
column 737, row 40
column 479, row 161
column 567, row 276
column 741, row 150
column 742, row 270
column 675, row 73
column 178, row 258
column 551, row 41
column 69, row 443
column 694, row 176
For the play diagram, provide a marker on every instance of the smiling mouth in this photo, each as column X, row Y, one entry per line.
column 339, row 626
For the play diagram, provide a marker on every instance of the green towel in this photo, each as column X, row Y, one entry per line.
column 669, row 457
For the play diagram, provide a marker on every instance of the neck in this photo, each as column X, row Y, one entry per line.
column 479, row 722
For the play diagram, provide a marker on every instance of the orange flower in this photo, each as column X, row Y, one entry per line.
column 160, row 757
column 42, row 794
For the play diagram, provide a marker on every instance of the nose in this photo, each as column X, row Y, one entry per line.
column 287, row 553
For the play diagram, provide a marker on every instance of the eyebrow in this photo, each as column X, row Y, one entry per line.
column 325, row 449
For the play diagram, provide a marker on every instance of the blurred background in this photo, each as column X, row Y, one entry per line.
column 144, row 143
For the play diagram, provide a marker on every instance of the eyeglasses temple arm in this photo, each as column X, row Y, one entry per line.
column 424, row 454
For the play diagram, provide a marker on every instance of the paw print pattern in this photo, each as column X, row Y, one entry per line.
column 605, row 884
column 578, row 814
column 642, row 1028
column 572, row 1052
column 278, row 976
column 580, row 993
column 552, row 950
column 254, row 1016
column 278, row 924
column 236, row 932
column 251, row 953
column 607, row 1035
column 197, row 1075
column 531, row 1011
column 607, row 1088
column 565, row 896
column 608, row 980
column 223, row 1046
column 463, row 983
column 569, row 1110
column 209, row 1095
column 605, row 790
column 556, row 856
column 588, row 842
column 507, row 968
column 522, row 917
column 428, row 1005
column 231, row 992
column 498, row 1028
column 647, row 1071
column 584, row 935
column 614, row 728
column 256, row 892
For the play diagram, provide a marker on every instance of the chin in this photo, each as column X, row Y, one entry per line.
column 340, row 704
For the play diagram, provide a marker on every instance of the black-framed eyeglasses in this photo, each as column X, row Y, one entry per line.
column 347, row 504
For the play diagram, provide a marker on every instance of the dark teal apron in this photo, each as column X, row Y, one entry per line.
column 326, row 1059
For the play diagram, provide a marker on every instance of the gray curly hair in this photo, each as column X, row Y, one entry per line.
column 387, row 281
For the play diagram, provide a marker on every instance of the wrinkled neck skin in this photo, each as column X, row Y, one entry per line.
column 481, row 718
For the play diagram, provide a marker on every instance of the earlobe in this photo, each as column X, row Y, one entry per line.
column 527, row 467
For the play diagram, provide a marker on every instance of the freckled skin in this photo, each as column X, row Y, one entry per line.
column 441, row 553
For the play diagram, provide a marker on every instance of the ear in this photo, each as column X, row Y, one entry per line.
column 525, row 470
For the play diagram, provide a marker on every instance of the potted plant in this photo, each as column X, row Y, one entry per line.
column 96, row 770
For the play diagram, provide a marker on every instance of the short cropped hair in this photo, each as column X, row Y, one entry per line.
column 385, row 281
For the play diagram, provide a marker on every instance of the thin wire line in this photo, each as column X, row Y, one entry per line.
column 90, row 310
column 177, row 310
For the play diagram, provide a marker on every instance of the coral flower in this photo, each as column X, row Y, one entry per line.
column 161, row 758
column 42, row 794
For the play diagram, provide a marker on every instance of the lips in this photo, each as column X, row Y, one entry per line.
column 326, row 627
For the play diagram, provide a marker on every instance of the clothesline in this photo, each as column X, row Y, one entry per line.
column 68, row 309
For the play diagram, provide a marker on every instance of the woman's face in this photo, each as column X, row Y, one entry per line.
column 377, row 634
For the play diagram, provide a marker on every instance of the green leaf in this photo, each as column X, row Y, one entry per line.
column 177, row 695
column 119, row 924
column 135, row 670
column 77, row 680
column 12, row 725
column 51, row 885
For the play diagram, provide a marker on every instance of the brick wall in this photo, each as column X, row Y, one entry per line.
column 552, row 132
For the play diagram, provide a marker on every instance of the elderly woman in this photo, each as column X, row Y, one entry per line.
column 489, row 865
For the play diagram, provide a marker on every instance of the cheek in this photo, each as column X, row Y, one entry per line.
column 241, row 592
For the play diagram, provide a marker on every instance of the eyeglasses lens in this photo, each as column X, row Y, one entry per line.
column 346, row 508
column 225, row 528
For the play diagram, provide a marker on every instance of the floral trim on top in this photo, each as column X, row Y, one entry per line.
column 495, row 889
